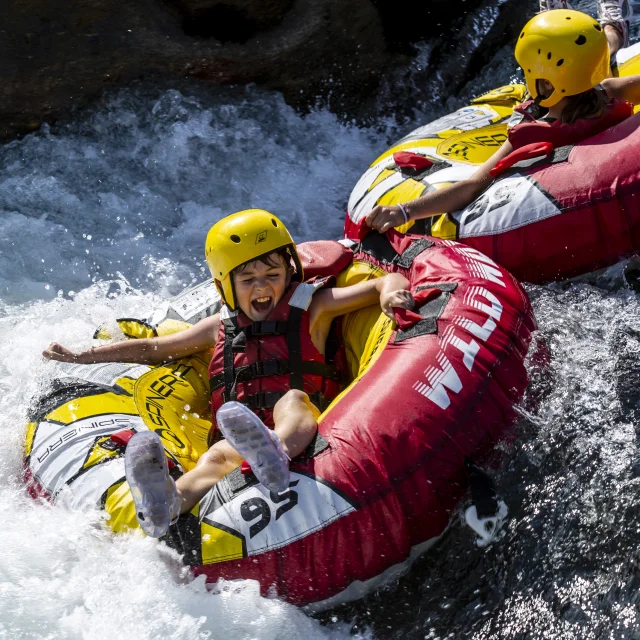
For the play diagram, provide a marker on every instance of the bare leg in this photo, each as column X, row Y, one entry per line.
column 221, row 459
column 296, row 423
column 615, row 16
column 614, row 38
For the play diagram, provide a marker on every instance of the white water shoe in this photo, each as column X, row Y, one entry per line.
column 618, row 14
column 154, row 492
column 256, row 443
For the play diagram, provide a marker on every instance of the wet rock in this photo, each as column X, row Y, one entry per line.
column 460, row 55
column 230, row 20
column 436, row 18
column 57, row 55
column 465, row 38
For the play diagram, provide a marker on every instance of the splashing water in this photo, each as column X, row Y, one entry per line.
column 133, row 188
column 102, row 219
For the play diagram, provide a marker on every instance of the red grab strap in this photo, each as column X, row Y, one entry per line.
column 121, row 438
column 411, row 160
column 523, row 153
column 356, row 231
column 406, row 318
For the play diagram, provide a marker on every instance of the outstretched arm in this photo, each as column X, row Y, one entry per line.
column 202, row 335
column 448, row 199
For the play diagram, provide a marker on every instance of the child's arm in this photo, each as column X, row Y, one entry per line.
column 446, row 200
column 390, row 291
column 202, row 335
column 627, row 88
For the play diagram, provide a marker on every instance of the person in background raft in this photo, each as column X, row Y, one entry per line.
column 565, row 58
column 269, row 353
column 614, row 16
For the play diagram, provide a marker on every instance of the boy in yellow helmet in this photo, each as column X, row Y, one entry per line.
column 565, row 58
column 270, row 336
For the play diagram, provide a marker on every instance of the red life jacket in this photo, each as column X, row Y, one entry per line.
column 256, row 363
column 561, row 134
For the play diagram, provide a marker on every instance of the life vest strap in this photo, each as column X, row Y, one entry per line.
column 294, row 347
column 267, row 328
column 267, row 368
column 229, row 371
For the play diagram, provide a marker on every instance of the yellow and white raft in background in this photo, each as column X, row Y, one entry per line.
column 456, row 144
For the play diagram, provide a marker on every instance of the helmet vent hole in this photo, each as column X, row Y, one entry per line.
column 560, row 62
column 563, row 91
column 568, row 18
column 597, row 27
column 235, row 238
column 549, row 55
column 581, row 40
column 538, row 50
column 528, row 70
column 274, row 223
column 522, row 35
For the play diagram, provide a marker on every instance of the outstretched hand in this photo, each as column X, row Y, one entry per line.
column 383, row 218
column 400, row 298
column 56, row 351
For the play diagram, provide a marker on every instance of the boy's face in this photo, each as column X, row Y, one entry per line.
column 259, row 286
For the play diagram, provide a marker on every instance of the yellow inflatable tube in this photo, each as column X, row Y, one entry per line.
column 77, row 431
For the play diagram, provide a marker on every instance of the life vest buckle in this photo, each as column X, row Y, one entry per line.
column 269, row 328
column 239, row 343
column 266, row 368
column 263, row 400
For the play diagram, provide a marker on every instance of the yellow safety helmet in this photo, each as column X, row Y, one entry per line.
column 567, row 48
column 244, row 237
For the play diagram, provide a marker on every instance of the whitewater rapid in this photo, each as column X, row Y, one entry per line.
column 103, row 219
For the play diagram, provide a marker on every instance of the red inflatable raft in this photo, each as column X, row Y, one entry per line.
column 571, row 213
column 381, row 481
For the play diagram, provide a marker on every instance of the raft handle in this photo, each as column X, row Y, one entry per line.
column 523, row 153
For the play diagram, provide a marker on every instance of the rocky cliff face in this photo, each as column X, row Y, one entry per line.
column 57, row 54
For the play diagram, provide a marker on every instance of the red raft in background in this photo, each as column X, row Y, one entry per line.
column 560, row 216
column 381, row 481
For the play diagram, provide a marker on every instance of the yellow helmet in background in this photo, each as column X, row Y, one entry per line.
column 567, row 48
column 244, row 237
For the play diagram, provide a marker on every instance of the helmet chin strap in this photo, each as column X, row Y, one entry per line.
column 536, row 110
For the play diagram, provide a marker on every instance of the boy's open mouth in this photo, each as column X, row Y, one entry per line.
column 261, row 304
